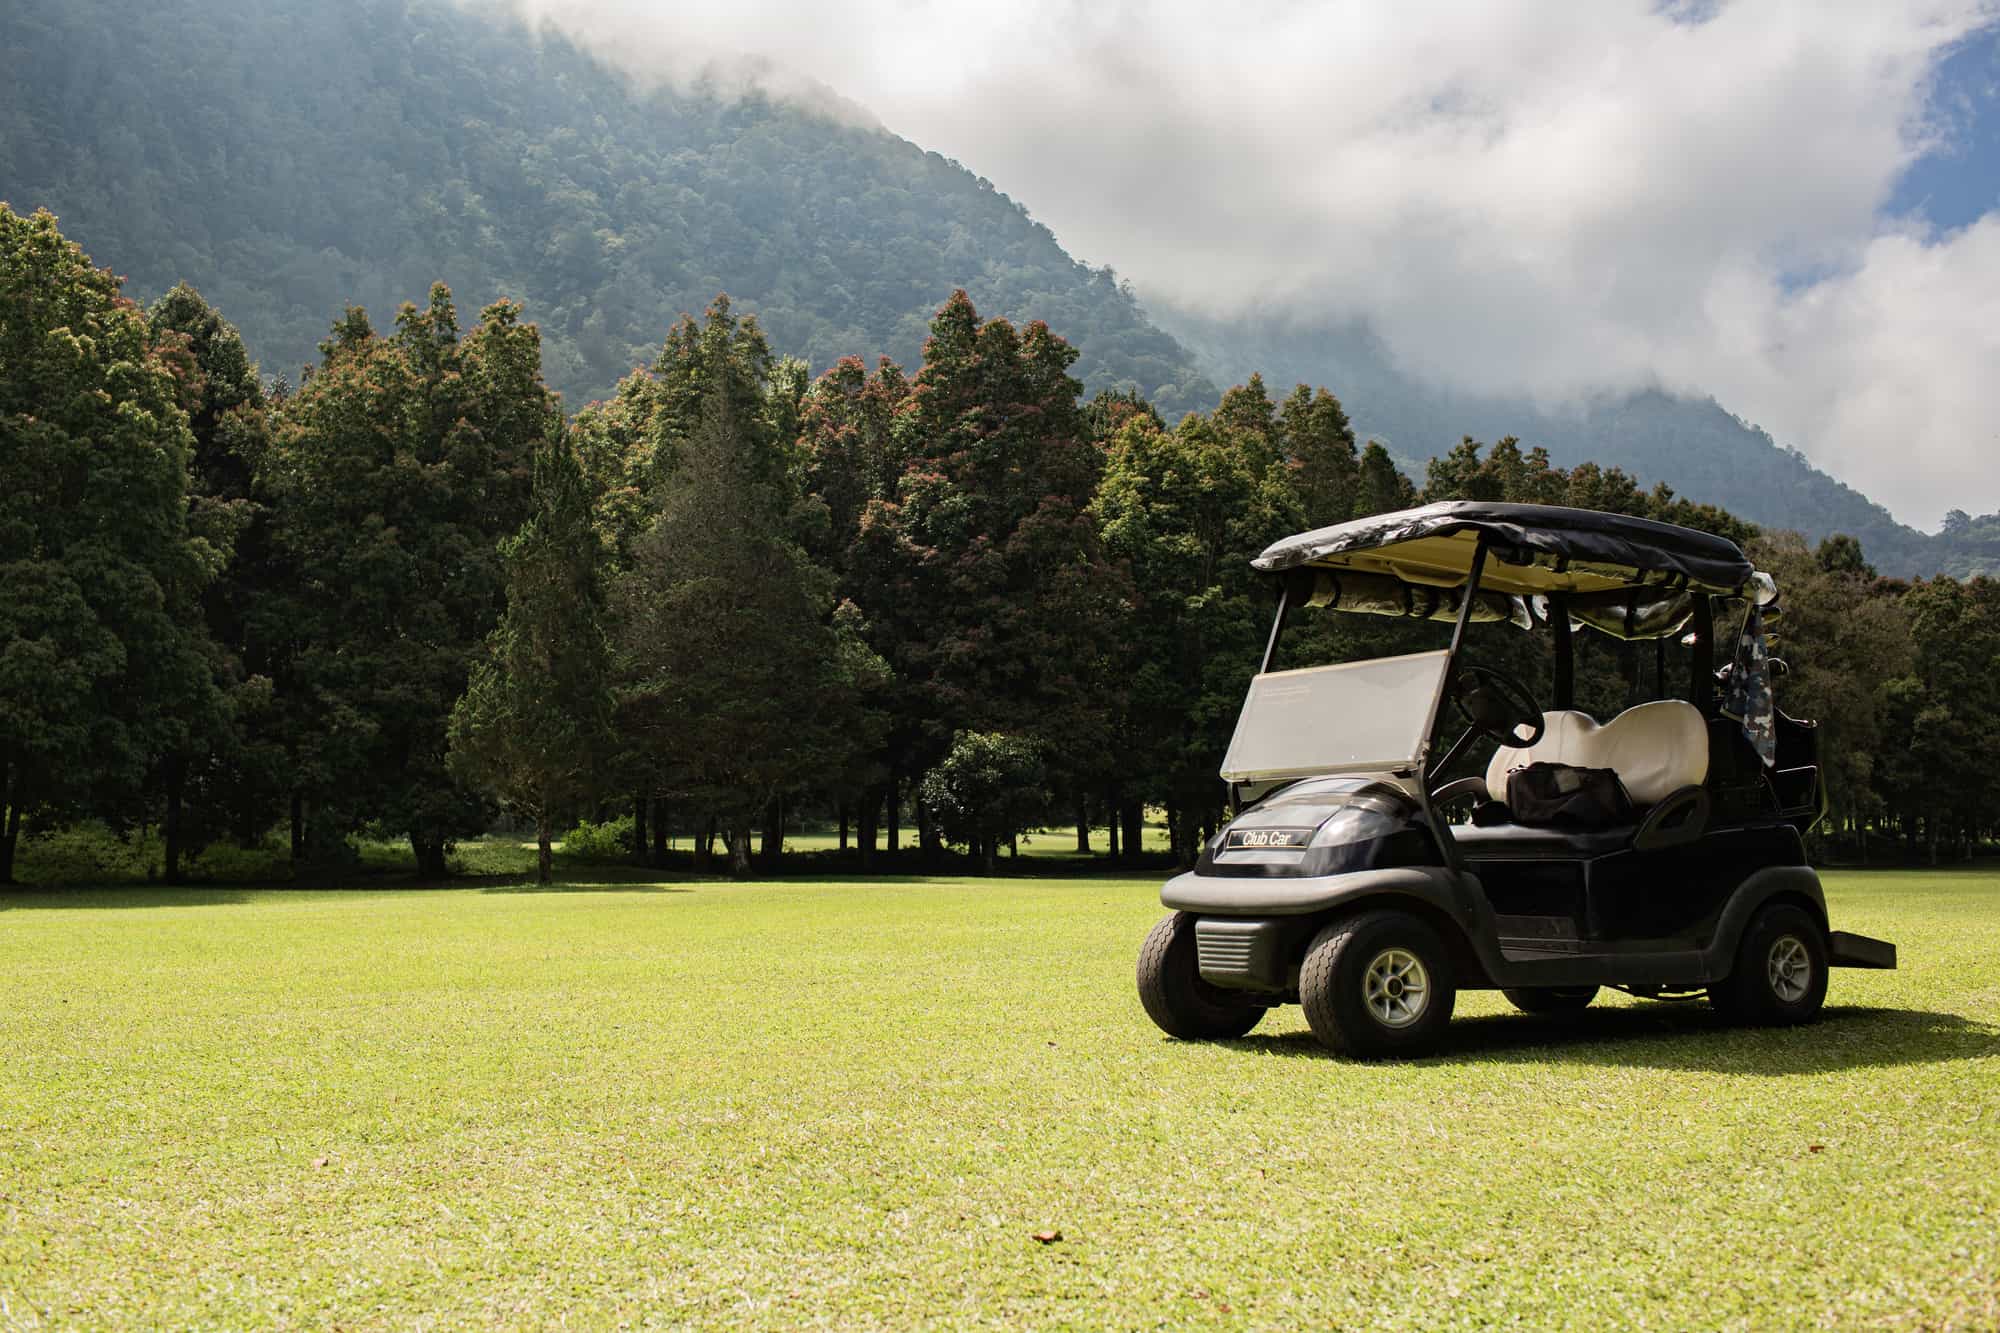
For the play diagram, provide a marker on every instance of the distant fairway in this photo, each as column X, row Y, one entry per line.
column 855, row 1104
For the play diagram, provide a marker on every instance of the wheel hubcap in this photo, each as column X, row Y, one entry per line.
column 1789, row 968
column 1396, row 988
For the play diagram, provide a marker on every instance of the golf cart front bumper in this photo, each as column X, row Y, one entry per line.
column 1217, row 895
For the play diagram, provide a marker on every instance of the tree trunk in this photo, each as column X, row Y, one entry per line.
column 1111, row 832
column 986, row 855
column 10, row 837
column 170, row 827
column 638, row 830
column 428, row 847
column 545, row 857
column 739, row 851
column 895, row 815
column 659, row 830
column 704, row 846
column 1135, row 831
column 843, row 825
column 1082, row 827
column 871, row 812
column 928, row 841
column 298, row 827
column 774, row 834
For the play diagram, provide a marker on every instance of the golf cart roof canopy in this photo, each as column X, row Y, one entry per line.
column 1532, row 550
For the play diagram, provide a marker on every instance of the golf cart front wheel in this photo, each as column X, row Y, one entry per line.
column 1175, row 996
column 1779, row 976
column 1377, row 984
column 1551, row 999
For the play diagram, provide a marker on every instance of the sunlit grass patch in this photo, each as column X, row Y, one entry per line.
column 856, row 1103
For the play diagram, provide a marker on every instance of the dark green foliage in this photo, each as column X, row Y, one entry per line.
column 1185, row 510
column 987, row 789
column 981, row 574
column 534, row 725
column 226, row 778
column 289, row 158
column 396, row 469
column 1938, row 776
column 1844, row 638
column 740, row 680
column 101, row 667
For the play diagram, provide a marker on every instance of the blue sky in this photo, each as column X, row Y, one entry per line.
column 1959, row 182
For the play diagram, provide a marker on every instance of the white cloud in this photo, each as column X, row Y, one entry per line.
column 1531, row 196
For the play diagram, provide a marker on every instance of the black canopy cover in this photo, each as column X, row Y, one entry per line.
column 1532, row 549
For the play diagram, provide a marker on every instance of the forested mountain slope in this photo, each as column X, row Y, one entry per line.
column 289, row 158
column 1694, row 445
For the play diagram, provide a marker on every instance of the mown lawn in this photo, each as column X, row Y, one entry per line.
column 855, row 1103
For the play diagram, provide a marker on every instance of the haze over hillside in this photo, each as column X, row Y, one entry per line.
column 290, row 159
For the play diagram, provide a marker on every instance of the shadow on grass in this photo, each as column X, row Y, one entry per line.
column 122, row 897
column 1690, row 1036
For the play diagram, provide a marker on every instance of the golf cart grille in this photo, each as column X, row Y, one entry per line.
column 1239, row 953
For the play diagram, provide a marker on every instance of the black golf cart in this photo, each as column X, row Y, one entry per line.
column 1658, row 852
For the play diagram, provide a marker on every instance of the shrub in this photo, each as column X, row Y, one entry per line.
column 603, row 843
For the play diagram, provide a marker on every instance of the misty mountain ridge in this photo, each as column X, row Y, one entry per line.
column 290, row 159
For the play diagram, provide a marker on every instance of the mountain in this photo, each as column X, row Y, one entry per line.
column 1694, row 444
column 290, row 158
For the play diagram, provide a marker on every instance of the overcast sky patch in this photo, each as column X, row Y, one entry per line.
column 1789, row 204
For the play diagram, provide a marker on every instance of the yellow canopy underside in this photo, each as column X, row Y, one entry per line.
column 1444, row 562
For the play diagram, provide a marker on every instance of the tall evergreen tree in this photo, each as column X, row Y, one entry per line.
column 534, row 724
column 741, row 677
column 993, row 601
column 395, row 470
column 225, row 773
column 100, row 580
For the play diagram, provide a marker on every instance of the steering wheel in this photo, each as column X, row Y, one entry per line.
column 1496, row 704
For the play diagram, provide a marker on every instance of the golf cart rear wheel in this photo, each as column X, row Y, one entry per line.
column 1551, row 999
column 1175, row 996
column 1377, row 984
column 1779, row 976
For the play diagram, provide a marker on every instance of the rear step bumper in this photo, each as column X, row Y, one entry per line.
column 1845, row 950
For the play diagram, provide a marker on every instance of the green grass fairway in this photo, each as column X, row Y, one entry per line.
column 854, row 1104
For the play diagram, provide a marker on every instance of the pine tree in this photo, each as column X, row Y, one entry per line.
column 229, row 764
column 395, row 471
column 534, row 724
column 742, row 679
column 100, row 581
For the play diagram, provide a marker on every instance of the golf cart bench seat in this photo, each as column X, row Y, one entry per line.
column 1655, row 749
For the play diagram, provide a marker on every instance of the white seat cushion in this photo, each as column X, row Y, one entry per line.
column 1655, row 749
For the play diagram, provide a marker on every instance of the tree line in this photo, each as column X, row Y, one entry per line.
column 410, row 591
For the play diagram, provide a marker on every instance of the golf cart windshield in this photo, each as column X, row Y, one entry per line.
column 1356, row 717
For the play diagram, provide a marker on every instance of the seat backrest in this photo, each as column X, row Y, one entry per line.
column 1655, row 749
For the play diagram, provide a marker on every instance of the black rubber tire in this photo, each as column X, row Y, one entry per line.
column 1175, row 996
column 1334, row 975
column 1748, row 996
column 1551, row 999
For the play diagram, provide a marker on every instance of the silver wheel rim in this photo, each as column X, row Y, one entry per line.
column 1789, row 968
column 1396, row 988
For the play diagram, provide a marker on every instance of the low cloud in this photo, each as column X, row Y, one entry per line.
column 1532, row 196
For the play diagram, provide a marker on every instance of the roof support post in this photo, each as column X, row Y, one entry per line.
column 1565, row 682
column 1701, row 657
column 1447, row 845
column 1277, row 625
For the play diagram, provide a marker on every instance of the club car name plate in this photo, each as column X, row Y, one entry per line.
column 1267, row 839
